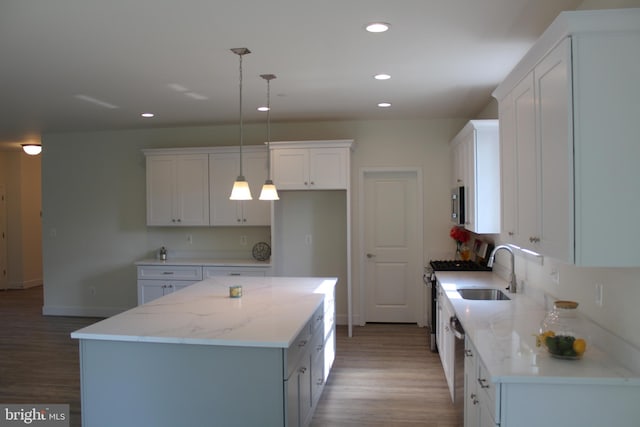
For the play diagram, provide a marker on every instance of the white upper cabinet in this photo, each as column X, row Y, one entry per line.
column 568, row 114
column 224, row 166
column 476, row 166
column 310, row 165
column 177, row 189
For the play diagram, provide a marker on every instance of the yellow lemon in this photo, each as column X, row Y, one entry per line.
column 579, row 346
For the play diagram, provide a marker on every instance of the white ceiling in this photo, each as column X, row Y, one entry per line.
column 445, row 58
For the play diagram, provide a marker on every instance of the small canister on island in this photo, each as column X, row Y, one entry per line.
column 235, row 291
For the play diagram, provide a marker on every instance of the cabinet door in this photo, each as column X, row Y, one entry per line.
column 526, row 163
column 328, row 168
column 471, row 401
column 148, row 290
column 178, row 190
column 290, row 168
column 555, row 141
column 256, row 211
column 508, row 173
column 161, row 190
column 223, row 171
column 192, row 184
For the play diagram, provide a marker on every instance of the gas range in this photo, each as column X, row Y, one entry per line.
column 457, row 265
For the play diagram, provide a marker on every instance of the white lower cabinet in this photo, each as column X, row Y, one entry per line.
column 308, row 362
column 155, row 281
column 482, row 397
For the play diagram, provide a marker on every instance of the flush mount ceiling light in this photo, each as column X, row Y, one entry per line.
column 147, row 115
column 384, row 104
column 32, row 149
column 377, row 27
column 269, row 191
column 382, row 77
column 240, row 189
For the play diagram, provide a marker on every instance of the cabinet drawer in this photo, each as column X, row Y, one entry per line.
column 300, row 346
column 210, row 272
column 171, row 272
column 317, row 321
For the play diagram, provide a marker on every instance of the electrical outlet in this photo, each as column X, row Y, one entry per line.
column 243, row 240
column 190, row 239
column 599, row 294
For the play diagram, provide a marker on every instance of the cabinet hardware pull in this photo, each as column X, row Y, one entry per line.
column 305, row 183
column 319, row 348
column 468, row 353
column 234, row 274
column 320, row 381
column 167, row 272
column 302, row 343
column 313, row 183
column 473, row 399
column 302, row 370
column 482, row 382
column 534, row 239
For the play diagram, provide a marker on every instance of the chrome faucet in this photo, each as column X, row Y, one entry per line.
column 512, row 282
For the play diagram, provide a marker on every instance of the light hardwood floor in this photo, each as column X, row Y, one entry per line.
column 384, row 375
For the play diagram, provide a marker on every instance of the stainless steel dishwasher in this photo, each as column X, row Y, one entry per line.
column 458, row 365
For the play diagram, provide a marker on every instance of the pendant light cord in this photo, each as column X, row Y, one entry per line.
column 241, row 134
column 268, row 128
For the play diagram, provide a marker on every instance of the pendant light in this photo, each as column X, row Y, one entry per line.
column 240, row 189
column 269, row 191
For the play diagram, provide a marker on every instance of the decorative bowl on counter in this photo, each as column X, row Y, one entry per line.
column 562, row 333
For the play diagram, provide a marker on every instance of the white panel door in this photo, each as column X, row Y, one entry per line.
column 392, row 268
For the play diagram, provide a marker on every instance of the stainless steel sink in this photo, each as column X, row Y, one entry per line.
column 483, row 294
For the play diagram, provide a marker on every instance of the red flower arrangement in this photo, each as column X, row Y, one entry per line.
column 459, row 234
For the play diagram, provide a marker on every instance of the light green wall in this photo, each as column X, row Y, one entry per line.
column 94, row 200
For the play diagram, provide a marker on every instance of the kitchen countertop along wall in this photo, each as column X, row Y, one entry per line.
column 504, row 335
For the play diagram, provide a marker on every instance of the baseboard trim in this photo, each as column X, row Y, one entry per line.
column 48, row 310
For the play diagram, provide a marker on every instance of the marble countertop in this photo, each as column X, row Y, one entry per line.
column 503, row 333
column 271, row 313
column 206, row 262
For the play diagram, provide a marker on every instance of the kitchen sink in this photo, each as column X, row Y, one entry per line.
column 483, row 294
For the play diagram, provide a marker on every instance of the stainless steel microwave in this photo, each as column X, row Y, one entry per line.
column 457, row 205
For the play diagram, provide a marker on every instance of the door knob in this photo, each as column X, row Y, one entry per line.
column 371, row 256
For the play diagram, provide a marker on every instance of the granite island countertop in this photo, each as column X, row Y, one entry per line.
column 503, row 333
column 271, row 313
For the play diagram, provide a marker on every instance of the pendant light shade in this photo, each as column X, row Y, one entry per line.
column 241, row 189
column 269, row 191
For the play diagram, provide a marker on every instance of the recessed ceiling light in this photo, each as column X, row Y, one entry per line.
column 263, row 109
column 382, row 77
column 377, row 27
column 384, row 104
column 147, row 115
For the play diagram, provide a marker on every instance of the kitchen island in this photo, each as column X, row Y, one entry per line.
column 509, row 381
column 198, row 357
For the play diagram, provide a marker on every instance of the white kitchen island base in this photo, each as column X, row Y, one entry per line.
column 199, row 358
